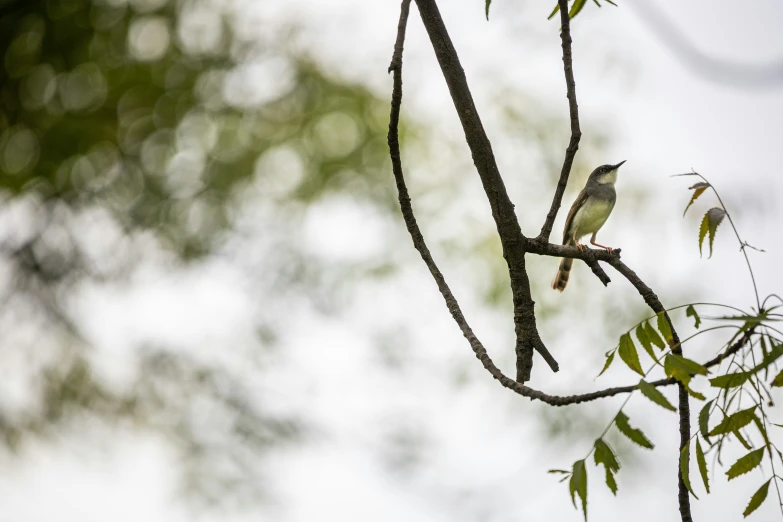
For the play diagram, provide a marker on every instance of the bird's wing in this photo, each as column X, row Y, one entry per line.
column 580, row 200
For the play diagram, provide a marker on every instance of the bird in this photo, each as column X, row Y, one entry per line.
column 587, row 215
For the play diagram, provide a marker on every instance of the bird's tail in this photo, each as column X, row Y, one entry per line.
column 563, row 273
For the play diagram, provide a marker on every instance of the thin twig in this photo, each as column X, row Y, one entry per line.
column 576, row 133
column 420, row 245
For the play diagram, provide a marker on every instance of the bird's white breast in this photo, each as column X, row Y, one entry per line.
column 592, row 216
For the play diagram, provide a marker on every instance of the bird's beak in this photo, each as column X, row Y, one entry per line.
column 618, row 165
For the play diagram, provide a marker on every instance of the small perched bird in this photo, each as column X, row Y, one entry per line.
column 587, row 215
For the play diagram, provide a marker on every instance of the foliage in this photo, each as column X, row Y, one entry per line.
column 750, row 351
column 130, row 130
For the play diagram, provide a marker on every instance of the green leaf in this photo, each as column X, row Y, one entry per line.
column 746, row 463
column 691, row 312
column 778, row 380
column 693, row 393
column 700, row 460
column 604, row 455
column 665, row 329
column 563, row 471
column 685, row 471
column 607, row 364
column 774, row 354
column 762, row 429
column 698, row 189
column 734, row 422
column 757, row 499
column 634, row 434
column 644, row 340
column 652, row 393
column 629, row 355
column 487, row 7
column 653, row 336
column 731, row 380
column 709, row 224
column 703, row 229
column 554, row 12
column 704, row 417
column 578, row 484
column 578, row 5
column 742, row 440
column 675, row 365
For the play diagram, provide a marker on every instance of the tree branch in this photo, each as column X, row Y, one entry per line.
column 511, row 237
column 576, row 133
column 451, row 301
column 684, row 406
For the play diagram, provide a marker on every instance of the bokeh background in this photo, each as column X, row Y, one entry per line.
column 211, row 309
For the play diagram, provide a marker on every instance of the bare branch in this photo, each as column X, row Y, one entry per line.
column 573, row 110
column 588, row 255
column 511, row 237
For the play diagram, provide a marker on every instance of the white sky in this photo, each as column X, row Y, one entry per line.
column 485, row 453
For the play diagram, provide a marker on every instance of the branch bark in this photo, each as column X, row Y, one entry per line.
column 576, row 132
column 511, row 237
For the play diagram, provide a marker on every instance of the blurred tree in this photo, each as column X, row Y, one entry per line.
column 132, row 129
column 131, row 126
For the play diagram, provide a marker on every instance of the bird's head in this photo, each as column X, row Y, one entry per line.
column 605, row 174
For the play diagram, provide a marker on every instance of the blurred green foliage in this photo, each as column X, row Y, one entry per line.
column 154, row 118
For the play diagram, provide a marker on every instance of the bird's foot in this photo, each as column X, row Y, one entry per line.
column 580, row 247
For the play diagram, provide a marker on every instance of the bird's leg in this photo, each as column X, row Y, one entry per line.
column 592, row 242
column 578, row 245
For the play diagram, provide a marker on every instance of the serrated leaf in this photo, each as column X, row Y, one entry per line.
column 746, row 463
column 644, row 340
column 734, row 422
column 703, row 229
column 629, row 355
column 698, row 190
column 578, row 5
column 762, row 429
column 693, row 393
column 774, row 354
column 653, row 336
column 652, row 393
column 731, row 380
column 778, row 380
column 700, row 460
column 685, row 465
column 607, row 364
column 742, row 440
column 664, row 328
column 757, row 499
column 691, row 312
column 554, row 12
column 634, row 434
column 709, row 224
column 486, row 7
column 604, row 455
column 578, row 484
column 677, row 364
column 704, row 418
